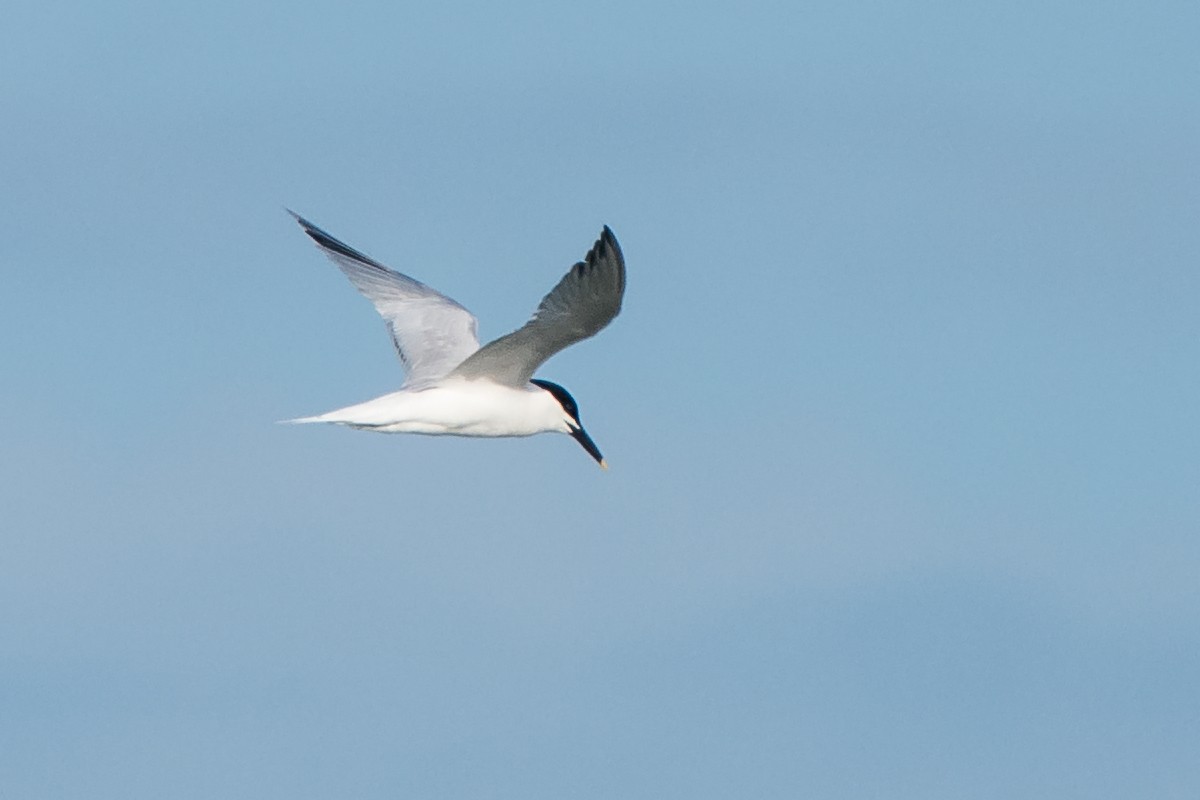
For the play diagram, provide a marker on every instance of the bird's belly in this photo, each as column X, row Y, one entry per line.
column 458, row 427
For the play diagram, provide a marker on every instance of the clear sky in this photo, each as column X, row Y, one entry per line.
column 901, row 410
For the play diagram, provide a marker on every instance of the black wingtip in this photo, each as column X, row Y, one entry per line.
column 308, row 227
column 608, row 237
column 330, row 243
column 606, row 242
column 303, row 222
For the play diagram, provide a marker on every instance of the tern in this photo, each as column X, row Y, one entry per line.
column 455, row 387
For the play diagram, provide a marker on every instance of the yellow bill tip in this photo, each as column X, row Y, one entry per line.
column 603, row 464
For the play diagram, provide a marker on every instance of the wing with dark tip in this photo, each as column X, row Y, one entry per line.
column 583, row 302
column 432, row 333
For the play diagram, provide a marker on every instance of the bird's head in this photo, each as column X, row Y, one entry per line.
column 571, row 423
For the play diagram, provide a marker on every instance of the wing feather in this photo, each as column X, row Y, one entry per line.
column 586, row 299
column 432, row 333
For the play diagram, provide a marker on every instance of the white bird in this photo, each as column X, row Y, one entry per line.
column 455, row 387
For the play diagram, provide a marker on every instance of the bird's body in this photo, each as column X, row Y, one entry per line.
column 455, row 407
column 454, row 386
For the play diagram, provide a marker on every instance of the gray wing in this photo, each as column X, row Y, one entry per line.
column 583, row 302
column 432, row 333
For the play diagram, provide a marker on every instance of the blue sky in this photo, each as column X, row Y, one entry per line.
column 901, row 407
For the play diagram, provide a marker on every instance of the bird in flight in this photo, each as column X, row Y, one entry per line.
column 455, row 387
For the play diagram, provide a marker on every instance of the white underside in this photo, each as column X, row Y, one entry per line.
column 455, row 408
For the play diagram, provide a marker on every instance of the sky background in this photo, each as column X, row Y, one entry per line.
column 901, row 408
